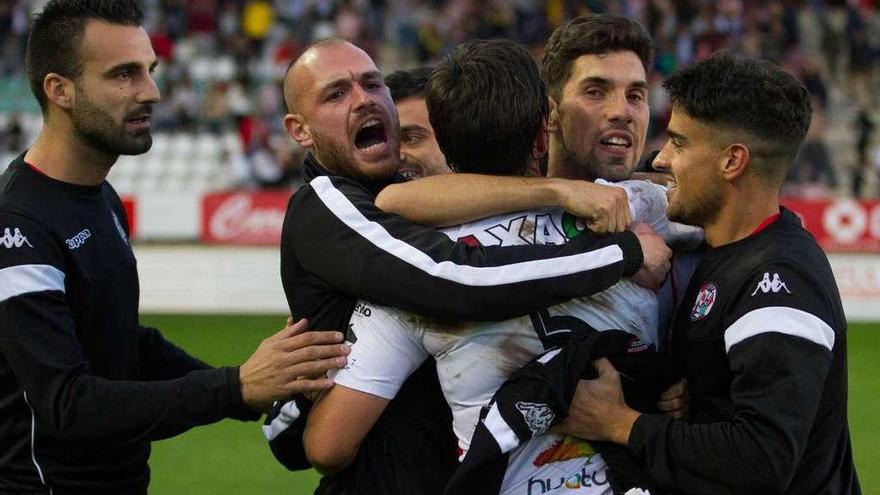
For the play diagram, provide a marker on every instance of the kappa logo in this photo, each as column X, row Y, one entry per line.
column 538, row 417
column 766, row 285
column 13, row 238
column 79, row 239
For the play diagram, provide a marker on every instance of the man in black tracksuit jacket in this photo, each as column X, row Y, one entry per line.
column 84, row 388
column 760, row 333
column 337, row 247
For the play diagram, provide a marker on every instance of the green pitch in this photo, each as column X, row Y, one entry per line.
column 232, row 458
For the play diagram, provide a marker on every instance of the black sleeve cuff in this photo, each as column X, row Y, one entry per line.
column 632, row 253
column 237, row 408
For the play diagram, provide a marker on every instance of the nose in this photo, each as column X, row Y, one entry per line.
column 619, row 109
column 661, row 161
column 361, row 98
column 149, row 92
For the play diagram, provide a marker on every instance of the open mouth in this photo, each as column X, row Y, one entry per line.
column 371, row 136
column 620, row 143
column 140, row 120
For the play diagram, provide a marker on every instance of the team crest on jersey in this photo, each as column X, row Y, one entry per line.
column 538, row 417
column 13, row 238
column 705, row 301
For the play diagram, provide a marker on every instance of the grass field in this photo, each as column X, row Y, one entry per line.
column 232, row 458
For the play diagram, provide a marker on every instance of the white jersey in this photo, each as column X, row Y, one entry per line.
column 474, row 359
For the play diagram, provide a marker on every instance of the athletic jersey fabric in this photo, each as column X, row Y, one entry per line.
column 761, row 335
column 474, row 359
column 337, row 247
column 83, row 387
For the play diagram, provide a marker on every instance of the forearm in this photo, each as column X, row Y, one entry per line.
column 161, row 359
column 775, row 396
column 451, row 199
column 338, row 234
column 75, row 405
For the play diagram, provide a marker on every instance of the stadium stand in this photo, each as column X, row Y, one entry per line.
column 218, row 126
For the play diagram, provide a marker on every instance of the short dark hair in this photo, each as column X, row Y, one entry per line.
column 486, row 102
column 408, row 83
column 56, row 35
column 737, row 93
column 595, row 34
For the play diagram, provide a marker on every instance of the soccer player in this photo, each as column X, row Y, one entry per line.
column 84, row 388
column 595, row 70
column 337, row 246
column 419, row 154
column 474, row 359
column 761, row 331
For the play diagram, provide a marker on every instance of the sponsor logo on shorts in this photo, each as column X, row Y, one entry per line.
column 79, row 239
column 538, row 417
column 705, row 301
column 13, row 238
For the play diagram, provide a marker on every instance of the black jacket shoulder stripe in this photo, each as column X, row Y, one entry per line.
column 779, row 319
column 26, row 279
column 377, row 235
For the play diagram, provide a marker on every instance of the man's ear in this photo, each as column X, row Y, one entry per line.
column 59, row 90
column 541, row 145
column 735, row 161
column 298, row 130
column 553, row 116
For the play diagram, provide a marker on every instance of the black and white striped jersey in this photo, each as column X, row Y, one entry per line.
column 83, row 387
column 762, row 336
column 337, row 247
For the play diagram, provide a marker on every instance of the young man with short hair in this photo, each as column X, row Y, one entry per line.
column 761, row 332
column 419, row 154
column 337, row 246
column 474, row 359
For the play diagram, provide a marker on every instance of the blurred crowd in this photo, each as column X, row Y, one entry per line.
column 222, row 62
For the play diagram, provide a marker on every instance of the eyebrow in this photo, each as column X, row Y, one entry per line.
column 412, row 127
column 608, row 82
column 128, row 66
column 373, row 74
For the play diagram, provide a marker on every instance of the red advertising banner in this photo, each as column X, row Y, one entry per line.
column 840, row 225
column 128, row 203
column 244, row 218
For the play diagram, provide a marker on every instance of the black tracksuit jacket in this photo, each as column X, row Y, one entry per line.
column 83, row 387
column 761, row 335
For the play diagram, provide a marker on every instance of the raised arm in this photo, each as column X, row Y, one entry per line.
column 338, row 234
column 451, row 199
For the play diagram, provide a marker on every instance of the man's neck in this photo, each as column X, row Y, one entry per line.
column 741, row 214
column 59, row 154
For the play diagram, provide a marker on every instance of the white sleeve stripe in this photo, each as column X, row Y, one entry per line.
column 24, row 279
column 779, row 319
column 473, row 276
column 500, row 430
